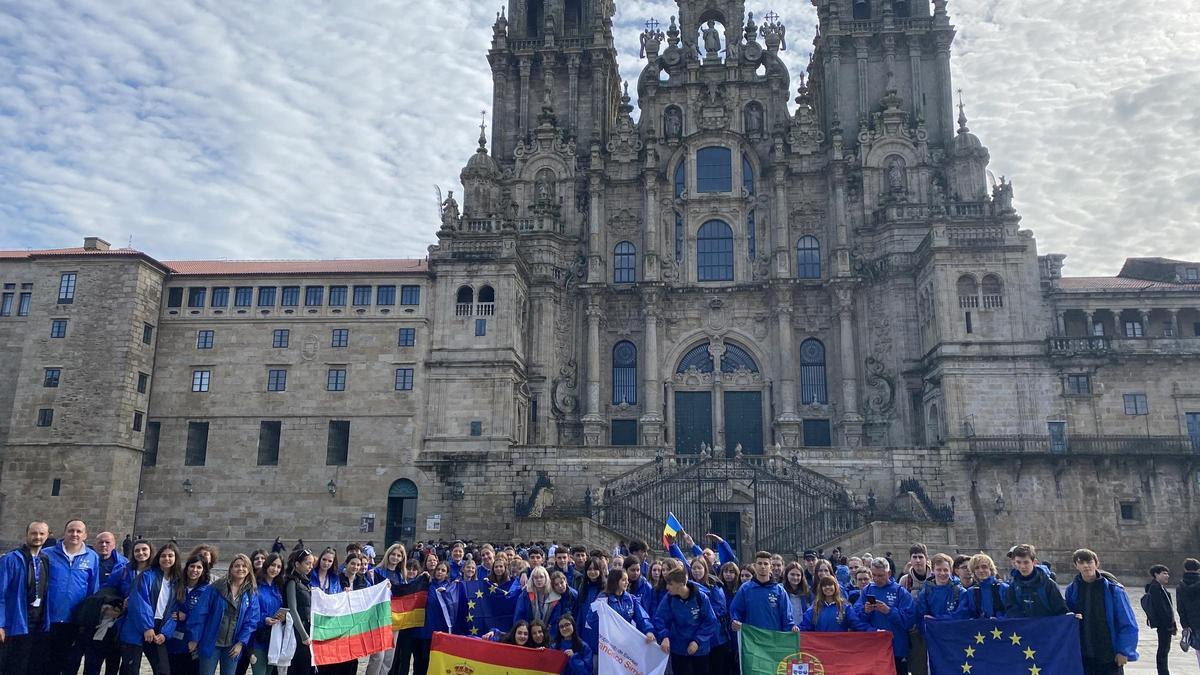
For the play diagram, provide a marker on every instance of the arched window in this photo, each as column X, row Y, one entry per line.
column 624, row 373
column 574, row 15
column 968, row 292
column 933, row 426
column 714, row 170
column 533, row 19
column 697, row 356
column 487, row 294
column 735, row 358
column 993, row 292
column 747, row 174
column 812, row 372
column 862, row 10
column 465, row 295
column 808, row 258
column 678, row 237
column 751, row 241
column 714, row 252
column 624, row 263
column 680, row 179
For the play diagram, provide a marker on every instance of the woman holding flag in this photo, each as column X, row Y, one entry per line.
column 270, row 609
column 391, row 571
column 830, row 613
column 298, row 600
column 615, row 595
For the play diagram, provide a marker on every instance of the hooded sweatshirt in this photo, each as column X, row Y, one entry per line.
column 1187, row 600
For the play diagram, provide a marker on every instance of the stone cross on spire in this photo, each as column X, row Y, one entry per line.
column 482, row 129
column 962, row 115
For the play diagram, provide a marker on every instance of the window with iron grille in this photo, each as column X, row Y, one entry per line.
column 268, row 442
column 337, row 451
column 624, row 374
column 812, row 372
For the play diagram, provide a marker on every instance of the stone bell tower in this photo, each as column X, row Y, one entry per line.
column 695, row 15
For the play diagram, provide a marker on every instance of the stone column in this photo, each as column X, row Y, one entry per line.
column 652, row 421
column 717, row 350
column 1174, row 322
column 914, row 67
column 832, row 66
column 651, row 243
column 573, row 92
column 945, row 103
column 593, row 422
column 787, row 423
column 851, row 422
column 1144, row 317
column 861, row 53
column 1088, row 329
column 523, row 104
column 781, row 245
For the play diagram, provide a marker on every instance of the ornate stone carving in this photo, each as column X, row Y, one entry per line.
column 564, row 391
column 879, row 399
column 624, row 223
column 693, row 377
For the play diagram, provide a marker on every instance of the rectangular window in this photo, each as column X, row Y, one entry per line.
column 1097, row 329
column 51, row 377
column 266, row 296
column 714, row 170
column 150, row 444
column 58, row 328
column 204, row 339
column 277, row 379
column 340, row 338
column 408, row 337
column 6, row 303
column 196, row 297
column 817, row 433
column 1079, row 385
column 404, row 379
column 314, row 296
column 1192, row 274
column 45, row 417
column 201, row 380
column 66, row 288
column 220, row 296
column 337, row 296
column 624, row 432
column 147, row 333
column 55, row 487
column 279, row 338
column 385, row 295
column 197, row 444
column 174, row 297
column 137, row 421
column 1168, row 329
column 335, row 379
column 268, row 443
column 290, row 296
column 1133, row 329
column 1058, row 436
column 23, row 305
column 362, row 296
column 480, row 327
column 970, row 328
column 476, row 428
column 1136, row 404
column 410, row 295
column 143, row 382
column 243, row 296
column 337, row 450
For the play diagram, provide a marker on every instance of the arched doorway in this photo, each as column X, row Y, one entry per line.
column 725, row 398
column 402, row 512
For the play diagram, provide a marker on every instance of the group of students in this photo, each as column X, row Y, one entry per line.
column 69, row 603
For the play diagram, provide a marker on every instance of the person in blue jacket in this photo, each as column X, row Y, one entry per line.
column 140, row 559
column 24, row 583
column 1108, row 631
column 592, row 588
column 150, row 613
column 616, row 595
column 196, row 578
column 686, row 625
column 986, row 599
column 325, row 576
column 538, row 600
column 885, row 605
column 830, row 612
column 579, row 655
column 702, row 575
column 269, row 584
column 224, row 619
column 74, row 575
column 568, row 601
column 940, row 595
column 639, row 586
column 762, row 602
column 1031, row 592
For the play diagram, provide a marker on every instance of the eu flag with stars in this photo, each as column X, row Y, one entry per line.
column 484, row 606
column 1047, row 646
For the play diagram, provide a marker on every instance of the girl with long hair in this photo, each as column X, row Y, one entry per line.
column 297, row 597
column 539, row 635
column 592, row 588
column 579, row 655
column 831, row 612
column 150, row 613
column 796, row 586
column 616, row 595
column 519, row 635
column 390, row 571
column 270, row 583
column 325, row 576
column 196, row 578
column 225, row 618
column 723, row 645
column 139, row 561
column 539, row 600
column 568, row 601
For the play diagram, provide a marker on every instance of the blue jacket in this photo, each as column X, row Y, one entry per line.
column 939, row 602
column 205, row 621
column 827, row 620
column 685, row 621
column 524, row 608
column 899, row 621
column 177, row 642
column 587, row 595
column 980, row 600
column 581, row 659
column 568, row 604
column 627, row 606
column 644, row 593
column 333, row 580
column 763, row 606
column 1037, row 596
column 70, row 582
column 14, row 578
column 842, row 573
column 716, row 596
column 119, row 561
column 1122, row 625
column 140, row 606
column 270, row 599
column 456, row 569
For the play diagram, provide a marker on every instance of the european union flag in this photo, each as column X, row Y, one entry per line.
column 484, row 606
column 1047, row 646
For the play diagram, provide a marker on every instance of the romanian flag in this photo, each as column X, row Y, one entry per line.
column 455, row 654
column 767, row 651
column 671, row 529
column 408, row 604
column 346, row 626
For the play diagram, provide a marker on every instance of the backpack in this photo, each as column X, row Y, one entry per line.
column 1148, row 608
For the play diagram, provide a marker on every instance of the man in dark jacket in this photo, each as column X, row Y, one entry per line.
column 1161, row 616
column 1031, row 591
column 1187, row 596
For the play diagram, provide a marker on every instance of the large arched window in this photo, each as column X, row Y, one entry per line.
column 624, row 263
column 680, row 179
column 464, row 301
column 735, row 358
column 698, row 357
column 968, row 292
column 487, row 294
column 533, row 19
column 993, row 292
column 714, row 170
column 714, row 252
column 808, row 258
column 624, row 373
column 812, row 372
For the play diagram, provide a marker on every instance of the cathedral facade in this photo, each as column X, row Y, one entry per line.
column 798, row 325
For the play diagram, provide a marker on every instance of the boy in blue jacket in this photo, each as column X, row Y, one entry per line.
column 762, row 602
column 1031, row 591
column 885, row 605
column 1108, row 631
column 940, row 596
column 687, row 625
column 987, row 598
column 24, row 581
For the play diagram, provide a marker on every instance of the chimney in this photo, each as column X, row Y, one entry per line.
column 95, row 244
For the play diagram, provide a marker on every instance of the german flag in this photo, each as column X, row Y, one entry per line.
column 408, row 604
column 456, row 654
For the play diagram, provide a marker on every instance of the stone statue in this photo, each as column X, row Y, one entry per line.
column 450, row 214
column 673, row 124
column 754, row 120
column 1002, row 194
column 895, row 175
column 712, row 39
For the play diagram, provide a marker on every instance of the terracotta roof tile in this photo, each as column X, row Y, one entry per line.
column 296, row 267
column 1095, row 284
column 48, row 252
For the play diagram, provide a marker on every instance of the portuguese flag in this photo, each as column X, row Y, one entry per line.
column 348, row 625
column 455, row 654
column 766, row 652
column 408, row 604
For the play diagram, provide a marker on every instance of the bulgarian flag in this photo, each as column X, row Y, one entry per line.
column 348, row 625
column 812, row 653
column 456, row 654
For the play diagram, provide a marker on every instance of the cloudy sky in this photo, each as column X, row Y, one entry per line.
column 305, row 128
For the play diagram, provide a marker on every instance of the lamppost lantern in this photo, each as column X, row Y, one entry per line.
column 187, row 485
column 332, row 487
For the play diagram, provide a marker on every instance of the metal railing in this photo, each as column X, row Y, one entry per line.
column 1079, row 345
column 1084, row 445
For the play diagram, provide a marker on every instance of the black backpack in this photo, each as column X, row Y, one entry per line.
column 1148, row 608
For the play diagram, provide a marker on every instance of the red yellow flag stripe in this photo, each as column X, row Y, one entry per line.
column 453, row 654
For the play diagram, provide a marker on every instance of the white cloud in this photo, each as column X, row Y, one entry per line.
column 262, row 130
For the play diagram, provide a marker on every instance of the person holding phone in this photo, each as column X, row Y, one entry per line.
column 885, row 605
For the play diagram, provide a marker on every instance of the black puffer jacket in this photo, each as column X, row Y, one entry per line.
column 1187, row 600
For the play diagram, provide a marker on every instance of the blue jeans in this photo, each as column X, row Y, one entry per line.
column 228, row 664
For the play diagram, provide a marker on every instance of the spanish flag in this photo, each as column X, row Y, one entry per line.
column 408, row 604
column 456, row 654
column 671, row 529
